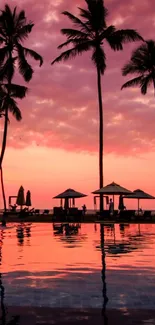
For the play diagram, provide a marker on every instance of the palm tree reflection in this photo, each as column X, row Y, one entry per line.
column 104, row 290
column 3, row 317
column 15, row 319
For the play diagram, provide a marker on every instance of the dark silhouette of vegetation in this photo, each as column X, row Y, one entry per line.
column 16, row 92
column 142, row 64
column 14, row 30
column 90, row 33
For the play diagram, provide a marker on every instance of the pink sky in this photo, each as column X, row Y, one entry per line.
column 55, row 146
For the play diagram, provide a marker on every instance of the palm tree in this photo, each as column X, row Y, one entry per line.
column 16, row 91
column 14, row 30
column 142, row 63
column 90, row 32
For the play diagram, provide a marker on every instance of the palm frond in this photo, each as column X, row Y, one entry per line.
column 127, row 35
column 2, row 40
column 14, row 109
column 99, row 59
column 3, row 54
column 98, row 14
column 85, row 13
column 119, row 37
column 24, row 67
column 7, row 69
column 23, row 32
column 133, row 82
column 107, row 32
column 73, row 42
column 142, row 60
column 145, row 83
column 20, row 19
column 77, row 21
column 16, row 91
column 7, row 17
column 130, row 67
column 14, row 13
column 33, row 54
column 71, row 53
column 74, row 33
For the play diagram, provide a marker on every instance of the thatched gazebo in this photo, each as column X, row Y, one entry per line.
column 139, row 195
column 69, row 197
column 112, row 189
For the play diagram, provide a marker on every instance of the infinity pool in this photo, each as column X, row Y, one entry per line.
column 79, row 266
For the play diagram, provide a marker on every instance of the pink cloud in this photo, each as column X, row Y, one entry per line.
column 61, row 109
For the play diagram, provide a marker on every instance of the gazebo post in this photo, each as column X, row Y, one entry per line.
column 138, row 206
column 114, row 201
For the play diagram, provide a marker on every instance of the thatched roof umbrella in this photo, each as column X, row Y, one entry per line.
column 20, row 197
column 139, row 195
column 28, row 199
column 112, row 189
column 69, row 194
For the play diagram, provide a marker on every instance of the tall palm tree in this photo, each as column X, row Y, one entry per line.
column 14, row 30
column 16, row 91
column 142, row 64
column 90, row 33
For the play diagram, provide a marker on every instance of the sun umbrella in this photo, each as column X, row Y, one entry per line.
column 139, row 194
column 28, row 199
column 112, row 189
column 69, row 193
column 20, row 197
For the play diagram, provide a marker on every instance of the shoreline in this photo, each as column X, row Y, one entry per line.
column 87, row 219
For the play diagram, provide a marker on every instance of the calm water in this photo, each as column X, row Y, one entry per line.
column 42, row 267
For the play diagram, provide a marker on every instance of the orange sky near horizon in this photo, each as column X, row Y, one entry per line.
column 41, row 171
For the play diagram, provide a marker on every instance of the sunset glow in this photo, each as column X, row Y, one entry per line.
column 55, row 146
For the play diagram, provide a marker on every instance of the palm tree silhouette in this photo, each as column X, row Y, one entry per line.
column 142, row 63
column 15, row 319
column 14, row 29
column 16, row 92
column 90, row 34
column 104, row 290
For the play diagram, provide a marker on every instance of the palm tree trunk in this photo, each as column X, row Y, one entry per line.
column 4, row 137
column 100, row 136
column 2, row 156
column 3, row 190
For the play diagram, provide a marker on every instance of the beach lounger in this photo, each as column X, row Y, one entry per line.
column 46, row 211
column 147, row 215
column 36, row 211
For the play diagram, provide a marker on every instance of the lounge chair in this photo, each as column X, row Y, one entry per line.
column 46, row 211
column 36, row 211
column 147, row 215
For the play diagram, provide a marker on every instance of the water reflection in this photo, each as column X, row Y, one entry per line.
column 123, row 227
column 23, row 231
column 104, row 289
column 3, row 318
column 90, row 276
column 69, row 233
